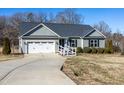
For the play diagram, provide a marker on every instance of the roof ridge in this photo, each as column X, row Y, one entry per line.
column 54, row 23
column 66, row 24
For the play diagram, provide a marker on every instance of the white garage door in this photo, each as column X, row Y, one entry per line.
column 41, row 47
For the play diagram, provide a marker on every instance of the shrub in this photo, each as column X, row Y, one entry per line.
column 6, row 46
column 109, row 44
column 116, row 49
column 109, row 47
column 108, row 50
column 94, row 50
column 100, row 50
column 122, row 53
column 87, row 50
column 79, row 50
column 111, row 51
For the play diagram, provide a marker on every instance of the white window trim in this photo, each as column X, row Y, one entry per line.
column 94, row 42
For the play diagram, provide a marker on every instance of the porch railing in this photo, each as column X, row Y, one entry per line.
column 66, row 51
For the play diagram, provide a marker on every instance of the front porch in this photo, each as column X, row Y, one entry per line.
column 67, row 46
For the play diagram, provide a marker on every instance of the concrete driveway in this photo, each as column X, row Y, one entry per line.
column 34, row 69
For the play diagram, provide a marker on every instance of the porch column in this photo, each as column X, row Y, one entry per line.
column 66, row 41
column 66, row 46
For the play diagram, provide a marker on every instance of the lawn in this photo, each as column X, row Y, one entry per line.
column 93, row 69
column 9, row 57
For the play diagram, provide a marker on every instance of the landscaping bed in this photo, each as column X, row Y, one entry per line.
column 95, row 69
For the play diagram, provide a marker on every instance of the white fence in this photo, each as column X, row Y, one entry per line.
column 66, row 51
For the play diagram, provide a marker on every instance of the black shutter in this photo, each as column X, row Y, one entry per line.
column 76, row 43
column 98, row 42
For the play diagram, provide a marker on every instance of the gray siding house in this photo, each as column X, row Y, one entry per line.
column 54, row 37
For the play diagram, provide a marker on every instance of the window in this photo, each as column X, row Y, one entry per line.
column 73, row 43
column 94, row 43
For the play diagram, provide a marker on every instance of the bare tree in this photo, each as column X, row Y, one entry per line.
column 69, row 16
column 51, row 18
column 30, row 17
column 104, row 28
column 117, row 36
column 122, row 44
column 42, row 17
column 17, row 18
column 2, row 25
column 2, row 22
column 11, row 29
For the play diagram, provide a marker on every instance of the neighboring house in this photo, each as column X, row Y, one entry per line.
column 50, row 37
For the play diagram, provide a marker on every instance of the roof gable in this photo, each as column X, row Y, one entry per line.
column 95, row 33
column 40, row 31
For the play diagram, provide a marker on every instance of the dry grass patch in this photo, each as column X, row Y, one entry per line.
column 95, row 69
column 9, row 57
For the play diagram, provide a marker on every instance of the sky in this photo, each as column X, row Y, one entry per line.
column 114, row 17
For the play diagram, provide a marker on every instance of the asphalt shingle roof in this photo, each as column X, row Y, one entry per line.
column 26, row 26
column 64, row 30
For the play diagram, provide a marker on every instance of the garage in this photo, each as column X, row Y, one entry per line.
column 41, row 47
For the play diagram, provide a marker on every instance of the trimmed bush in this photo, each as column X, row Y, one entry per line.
column 100, row 50
column 87, row 50
column 122, row 53
column 109, row 47
column 109, row 44
column 94, row 50
column 79, row 50
column 108, row 50
column 6, row 46
column 116, row 49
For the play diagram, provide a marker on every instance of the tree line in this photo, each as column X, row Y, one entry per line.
column 9, row 24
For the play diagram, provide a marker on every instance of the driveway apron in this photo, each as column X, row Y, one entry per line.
column 38, row 69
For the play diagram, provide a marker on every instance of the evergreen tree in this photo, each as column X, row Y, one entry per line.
column 109, row 46
column 6, row 46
